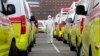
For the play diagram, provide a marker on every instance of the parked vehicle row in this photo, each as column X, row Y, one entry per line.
column 91, row 30
column 60, row 23
column 17, row 28
column 56, row 20
column 82, row 28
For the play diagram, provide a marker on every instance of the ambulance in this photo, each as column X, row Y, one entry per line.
column 7, row 37
column 91, row 30
column 76, row 31
column 69, row 21
column 55, row 32
column 61, row 22
column 21, row 22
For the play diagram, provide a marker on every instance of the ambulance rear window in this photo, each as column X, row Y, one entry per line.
column 40, row 24
column 64, row 13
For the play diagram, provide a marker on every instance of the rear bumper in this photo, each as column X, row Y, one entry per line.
column 23, row 42
column 61, row 34
column 41, row 30
column 55, row 33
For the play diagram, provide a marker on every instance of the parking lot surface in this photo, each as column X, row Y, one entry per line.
column 42, row 48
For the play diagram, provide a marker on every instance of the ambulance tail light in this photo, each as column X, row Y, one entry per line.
column 23, row 25
column 56, row 25
column 61, row 26
column 20, row 20
column 82, row 25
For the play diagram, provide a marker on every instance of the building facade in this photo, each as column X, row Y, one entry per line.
column 43, row 8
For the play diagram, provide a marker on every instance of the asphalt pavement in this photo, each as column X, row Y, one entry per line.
column 42, row 48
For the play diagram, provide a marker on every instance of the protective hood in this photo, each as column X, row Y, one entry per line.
column 49, row 17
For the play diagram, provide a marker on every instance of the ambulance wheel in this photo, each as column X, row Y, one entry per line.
column 79, row 50
column 64, row 41
column 29, row 48
column 13, row 49
column 90, row 51
column 59, row 38
column 23, row 53
column 72, row 48
column 35, row 41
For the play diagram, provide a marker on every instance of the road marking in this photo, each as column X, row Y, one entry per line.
column 56, row 48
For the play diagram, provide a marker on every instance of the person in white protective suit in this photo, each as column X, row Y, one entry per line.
column 50, row 27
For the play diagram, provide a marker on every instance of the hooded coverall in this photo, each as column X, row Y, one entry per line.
column 50, row 28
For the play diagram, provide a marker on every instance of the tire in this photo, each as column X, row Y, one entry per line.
column 54, row 36
column 81, row 53
column 29, row 48
column 79, row 50
column 34, row 41
column 64, row 41
column 90, row 51
column 68, row 41
column 23, row 53
column 13, row 50
column 32, row 44
column 72, row 48
column 59, row 39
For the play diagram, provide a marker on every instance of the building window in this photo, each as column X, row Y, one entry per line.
column 46, row 1
column 61, row 4
column 46, row 4
column 49, row 1
column 64, row 1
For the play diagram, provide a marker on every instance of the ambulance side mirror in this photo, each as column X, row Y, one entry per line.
column 10, row 9
column 80, row 10
column 32, row 18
